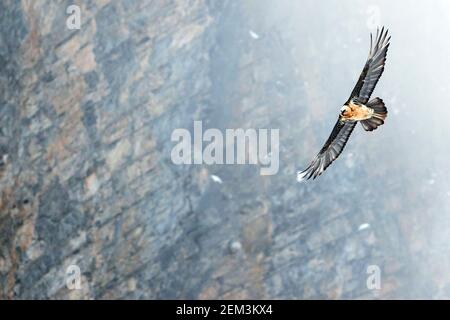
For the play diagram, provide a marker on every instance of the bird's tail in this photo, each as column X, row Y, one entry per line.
column 378, row 117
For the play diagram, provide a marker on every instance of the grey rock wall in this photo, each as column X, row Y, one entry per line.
column 86, row 177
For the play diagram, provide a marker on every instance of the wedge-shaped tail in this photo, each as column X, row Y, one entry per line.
column 378, row 117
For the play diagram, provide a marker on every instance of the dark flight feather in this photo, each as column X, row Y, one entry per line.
column 330, row 151
column 373, row 69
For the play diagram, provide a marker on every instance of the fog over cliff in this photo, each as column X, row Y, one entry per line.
column 87, row 178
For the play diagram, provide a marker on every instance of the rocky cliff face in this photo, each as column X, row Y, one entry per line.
column 86, row 176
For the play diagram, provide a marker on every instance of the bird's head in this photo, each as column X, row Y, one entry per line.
column 345, row 111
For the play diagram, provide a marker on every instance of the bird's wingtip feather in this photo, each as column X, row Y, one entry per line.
column 301, row 176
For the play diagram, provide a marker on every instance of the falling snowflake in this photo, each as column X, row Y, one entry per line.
column 216, row 179
column 235, row 246
column 349, row 160
column 363, row 226
column 254, row 35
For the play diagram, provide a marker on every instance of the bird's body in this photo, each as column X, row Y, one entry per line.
column 355, row 111
column 358, row 108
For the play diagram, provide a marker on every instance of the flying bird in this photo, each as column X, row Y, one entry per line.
column 371, row 114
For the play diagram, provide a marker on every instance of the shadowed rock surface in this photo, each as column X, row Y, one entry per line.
column 86, row 177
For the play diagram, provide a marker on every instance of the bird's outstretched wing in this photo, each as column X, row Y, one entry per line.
column 330, row 151
column 374, row 67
